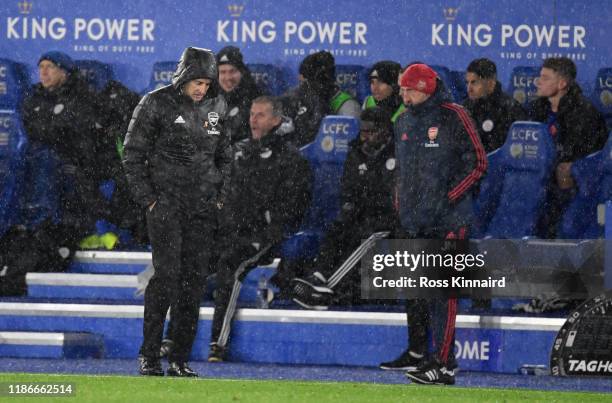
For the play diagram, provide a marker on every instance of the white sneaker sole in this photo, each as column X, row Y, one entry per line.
column 311, row 307
column 405, row 369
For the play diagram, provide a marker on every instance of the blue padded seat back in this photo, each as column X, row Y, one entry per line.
column 269, row 78
column 593, row 177
column 13, row 144
column 96, row 73
column 14, row 83
column 487, row 200
column 524, row 164
column 522, row 84
column 326, row 155
column 602, row 95
column 445, row 75
column 161, row 75
column 353, row 79
column 458, row 85
column 43, row 187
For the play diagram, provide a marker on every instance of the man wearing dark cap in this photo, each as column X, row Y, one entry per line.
column 366, row 214
column 440, row 158
column 239, row 89
column 492, row 110
column 575, row 125
column 384, row 86
column 177, row 159
column 317, row 95
column 60, row 114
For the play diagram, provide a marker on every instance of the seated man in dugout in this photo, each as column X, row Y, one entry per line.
column 367, row 213
column 492, row 110
column 576, row 126
column 316, row 96
column 384, row 88
column 268, row 197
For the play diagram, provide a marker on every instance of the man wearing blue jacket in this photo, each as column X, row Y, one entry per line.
column 440, row 158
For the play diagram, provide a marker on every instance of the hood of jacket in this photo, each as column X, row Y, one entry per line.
column 197, row 63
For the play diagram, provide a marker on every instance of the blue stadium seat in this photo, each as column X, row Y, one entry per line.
column 602, row 96
column 522, row 84
column 13, row 144
column 458, row 85
column 445, row 75
column 42, row 187
column 485, row 204
column 326, row 155
column 583, row 218
column 14, row 84
column 161, row 75
column 96, row 73
column 269, row 78
column 353, row 79
column 522, row 172
column 581, row 214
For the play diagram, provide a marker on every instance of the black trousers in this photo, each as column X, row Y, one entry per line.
column 181, row 248
column 342, row 240
column 339, row 242
column 557, row 201
column 437, row 316
column 232, row 267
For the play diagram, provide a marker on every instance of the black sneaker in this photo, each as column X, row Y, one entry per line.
column 166, row 347
column 216, row 353
column 180, row 369
column 432, row 374
column 312, row 293
column 405, row 362
column 150, row 366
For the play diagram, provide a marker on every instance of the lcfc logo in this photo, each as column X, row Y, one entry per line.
column 606, row 98
column 516, row 150
column 520, row 96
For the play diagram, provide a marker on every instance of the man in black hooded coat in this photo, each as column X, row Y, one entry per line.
column 177, row 159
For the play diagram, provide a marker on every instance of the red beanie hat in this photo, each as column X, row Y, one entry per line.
column 419, row 77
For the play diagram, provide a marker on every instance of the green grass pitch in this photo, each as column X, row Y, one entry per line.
column 169, row 390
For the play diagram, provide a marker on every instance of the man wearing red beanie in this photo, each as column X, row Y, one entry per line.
column 440, row 157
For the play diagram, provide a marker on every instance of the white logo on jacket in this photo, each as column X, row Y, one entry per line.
column 487, row 125
column 213, row 118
